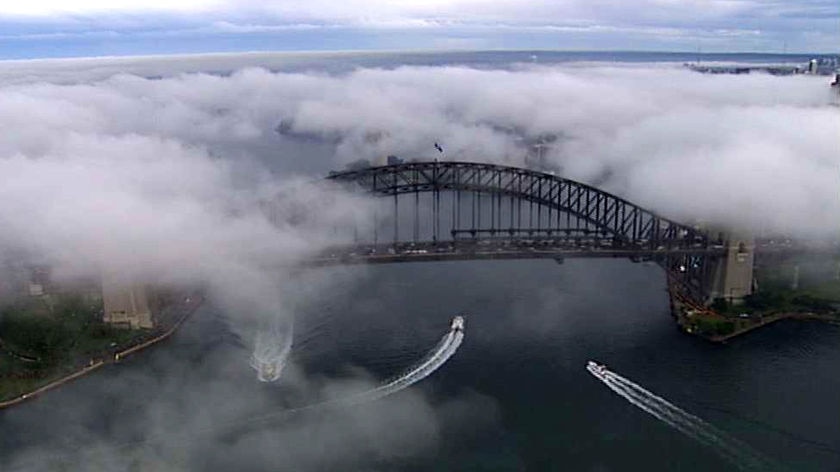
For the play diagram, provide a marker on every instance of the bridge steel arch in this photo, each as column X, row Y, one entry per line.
column 628, row 225
column 610, row 225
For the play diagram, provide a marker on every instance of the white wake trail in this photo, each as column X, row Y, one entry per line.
column 447, row 346
column 736, row 452
column 271, row 352
column 442, row 352
column 658, row 403
column 438, row 356
column 677, row 422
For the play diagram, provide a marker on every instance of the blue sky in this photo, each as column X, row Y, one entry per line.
column 50, row 28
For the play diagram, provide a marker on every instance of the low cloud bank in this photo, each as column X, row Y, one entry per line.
column 752, row 149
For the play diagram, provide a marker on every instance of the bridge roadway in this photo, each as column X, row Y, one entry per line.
column 504, row 249
column 484, row 249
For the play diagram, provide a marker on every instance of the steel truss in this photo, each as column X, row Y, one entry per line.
column 528, row 207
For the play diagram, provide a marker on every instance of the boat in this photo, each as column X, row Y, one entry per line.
column 598, row 370
column 458, row 323
column 267, row 371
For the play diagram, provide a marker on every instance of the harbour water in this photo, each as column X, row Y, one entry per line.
column 516, row 396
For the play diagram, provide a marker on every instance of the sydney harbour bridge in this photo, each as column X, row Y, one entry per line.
column 437, row 211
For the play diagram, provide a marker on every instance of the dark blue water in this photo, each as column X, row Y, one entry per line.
column 515, row 397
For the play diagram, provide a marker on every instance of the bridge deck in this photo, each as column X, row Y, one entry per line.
column 484, row 250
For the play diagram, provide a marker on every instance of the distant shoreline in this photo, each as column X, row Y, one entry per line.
column 770, row 319
column 295, row 53
column 186, row 308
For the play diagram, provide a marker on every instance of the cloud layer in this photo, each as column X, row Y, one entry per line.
column 170, row 158
column 202, row 178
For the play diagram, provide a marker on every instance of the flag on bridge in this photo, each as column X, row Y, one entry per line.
column 440, row 149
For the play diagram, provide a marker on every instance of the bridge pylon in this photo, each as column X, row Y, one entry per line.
column 732, row 274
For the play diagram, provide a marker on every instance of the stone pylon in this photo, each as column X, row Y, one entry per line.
column 732, row 277
column 126, row 304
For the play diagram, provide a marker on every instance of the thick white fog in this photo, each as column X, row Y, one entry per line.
column 752, row 149
column 164, row 177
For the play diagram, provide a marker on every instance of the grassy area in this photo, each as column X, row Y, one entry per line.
column 47, row 337
column 711, row 326
column 17, row 377
column 806, row 284
column 769, row 301
column 829, row 291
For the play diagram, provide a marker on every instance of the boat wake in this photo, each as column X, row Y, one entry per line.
column 736, row 452
column 271, row 352
column 437, row 357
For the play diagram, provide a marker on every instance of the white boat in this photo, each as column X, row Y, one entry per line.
column 267, row 371
column 458, row 323
column 596, row 369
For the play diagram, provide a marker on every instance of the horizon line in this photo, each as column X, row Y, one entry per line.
column 325, row 52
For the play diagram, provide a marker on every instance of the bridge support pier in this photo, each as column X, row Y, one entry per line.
column 732, row 275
